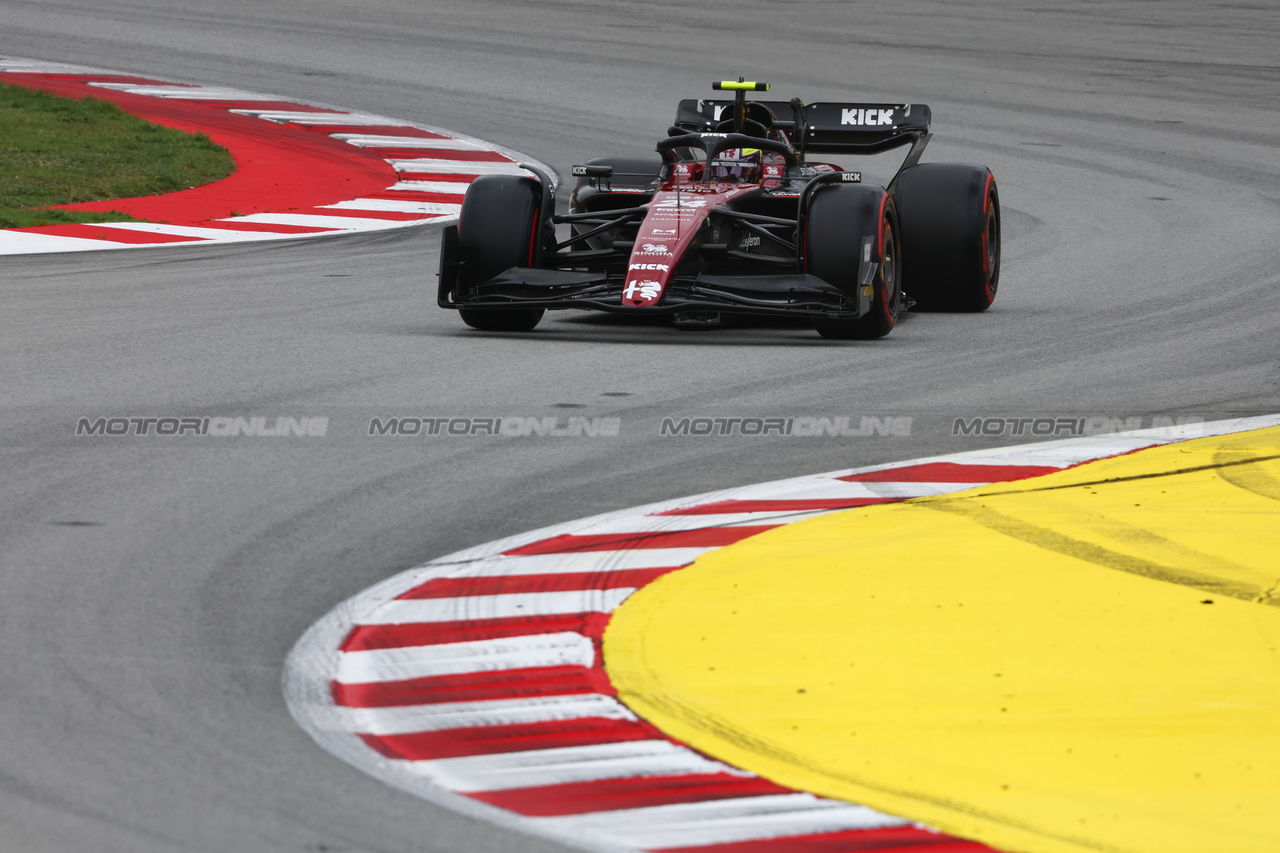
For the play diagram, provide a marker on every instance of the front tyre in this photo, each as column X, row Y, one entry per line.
column 839, row 220
column 950, row 215
column 499, row 227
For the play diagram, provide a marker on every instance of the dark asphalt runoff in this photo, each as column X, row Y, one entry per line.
column 151, row 586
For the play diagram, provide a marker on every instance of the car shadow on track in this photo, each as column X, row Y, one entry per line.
column 612, row 328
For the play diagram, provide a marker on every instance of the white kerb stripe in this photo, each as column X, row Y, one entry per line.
column 389, row 205
column 458, row 167
column 584, row 561
column 496, row 606
column 29, row 243
column 750, row 828
column 191, row 93
column 195, row 231
column 534, row 650
column 832, row 489
column 408, row 142
column 497, row 712
column 722, row 821
column 322, row 118
column 458, row 188
column 541, row 767
column 681, row 523
column 311, row 220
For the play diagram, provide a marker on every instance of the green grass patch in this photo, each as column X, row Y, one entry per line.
column 63, row 151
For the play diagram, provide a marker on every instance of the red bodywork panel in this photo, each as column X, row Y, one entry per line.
column 675, row 215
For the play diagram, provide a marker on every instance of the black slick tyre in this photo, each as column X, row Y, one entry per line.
column 950, row 217
column 498, row 228
column 840, row 218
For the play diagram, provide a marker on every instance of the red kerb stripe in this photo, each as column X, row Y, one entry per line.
column 515, row 584
column 800, row 505
column 633, row 793
column 710, row 537
column 491, row 740
column 116, row 235
column 365, row 638
column 473, row 687
column 950, row 472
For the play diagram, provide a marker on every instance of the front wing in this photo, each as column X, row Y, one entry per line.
column 790, row 294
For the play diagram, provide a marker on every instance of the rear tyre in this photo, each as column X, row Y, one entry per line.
column 498, row 229
column 839, row 219
column 950, row 216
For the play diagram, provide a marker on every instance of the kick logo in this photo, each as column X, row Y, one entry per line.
column 658, row 267
column 866, row 118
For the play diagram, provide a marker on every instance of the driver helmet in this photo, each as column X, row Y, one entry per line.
column 737, row 164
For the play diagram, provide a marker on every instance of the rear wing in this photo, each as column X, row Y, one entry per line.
column 827, row 128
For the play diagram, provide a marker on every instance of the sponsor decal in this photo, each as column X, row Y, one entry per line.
column 654, row 249
column 660, row 231
column 659, row 267
column 749, row 241
column 772, row 171
column 682, row 202
column 851, row 177
column 578, row 171
column 866, row 118
column 679, row 213
column 637, row 289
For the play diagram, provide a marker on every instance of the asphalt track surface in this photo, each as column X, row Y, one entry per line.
column 153, row 586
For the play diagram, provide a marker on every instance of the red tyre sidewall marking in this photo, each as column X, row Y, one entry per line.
column 986, row 214
column 886, row 204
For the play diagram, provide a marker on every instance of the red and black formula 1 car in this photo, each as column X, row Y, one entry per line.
column 733, row 219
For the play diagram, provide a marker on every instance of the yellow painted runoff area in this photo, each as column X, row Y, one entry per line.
column 1082, row 661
